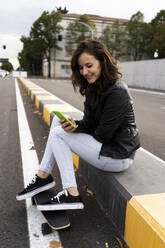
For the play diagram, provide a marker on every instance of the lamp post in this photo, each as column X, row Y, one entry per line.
column 4, row 72
column 90, row 28
column 3, row 60
column 60, row 37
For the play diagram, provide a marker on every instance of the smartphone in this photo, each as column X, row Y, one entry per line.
column 61, row 116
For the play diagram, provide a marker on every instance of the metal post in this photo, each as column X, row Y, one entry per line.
column 85, row 24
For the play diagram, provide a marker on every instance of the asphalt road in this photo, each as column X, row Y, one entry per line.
column 91, row 227
column 149, row 110
column 13, row 226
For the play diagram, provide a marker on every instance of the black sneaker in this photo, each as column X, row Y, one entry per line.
column 62, row 201
column 36, row 186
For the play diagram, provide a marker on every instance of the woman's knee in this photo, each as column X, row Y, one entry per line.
column 56, row 131
column 55, row 122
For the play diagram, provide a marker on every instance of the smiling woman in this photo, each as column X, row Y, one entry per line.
column 89, row 67
column 106, row 137
column 90, row 63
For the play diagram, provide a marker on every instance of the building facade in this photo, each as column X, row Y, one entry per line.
column 60, row 60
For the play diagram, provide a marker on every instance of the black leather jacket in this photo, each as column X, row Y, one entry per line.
column 110, row 119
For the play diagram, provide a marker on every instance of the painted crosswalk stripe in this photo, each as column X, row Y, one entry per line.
column 29, row 163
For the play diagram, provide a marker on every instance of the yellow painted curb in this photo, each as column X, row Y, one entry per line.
column 47, row 109
column 39, row 98
column 75, row 160
column 145, row 221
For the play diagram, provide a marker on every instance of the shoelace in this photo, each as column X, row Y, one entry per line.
column 64, row 192
column 33, row 181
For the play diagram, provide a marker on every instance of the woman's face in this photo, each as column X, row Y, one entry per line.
column 89, row 67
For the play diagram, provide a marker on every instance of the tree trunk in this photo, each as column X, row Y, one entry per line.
column 49, row 67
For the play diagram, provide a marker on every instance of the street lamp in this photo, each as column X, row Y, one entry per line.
column 4, row 47
column 1, row 59
column 90, row 28
column 60, row 37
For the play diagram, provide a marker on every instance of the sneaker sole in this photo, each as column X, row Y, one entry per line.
column 35, row 192
column 65, row 206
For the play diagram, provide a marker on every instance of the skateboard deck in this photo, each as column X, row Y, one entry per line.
column 57, row 219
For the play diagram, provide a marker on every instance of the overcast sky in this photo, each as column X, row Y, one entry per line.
column 17, row 17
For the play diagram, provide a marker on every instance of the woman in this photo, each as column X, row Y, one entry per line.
column 106, row 137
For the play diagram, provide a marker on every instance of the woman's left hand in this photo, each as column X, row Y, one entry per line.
column 66, row 125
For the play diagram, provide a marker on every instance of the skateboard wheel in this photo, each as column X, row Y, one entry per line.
column 33, row 201
column 46, row 229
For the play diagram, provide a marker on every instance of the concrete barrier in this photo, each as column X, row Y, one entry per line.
column 148, row 74
column 22, row 74
column 135, row 199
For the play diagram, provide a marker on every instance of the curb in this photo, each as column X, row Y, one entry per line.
column 135, row 199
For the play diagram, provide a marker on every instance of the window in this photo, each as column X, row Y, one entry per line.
column 65, row 70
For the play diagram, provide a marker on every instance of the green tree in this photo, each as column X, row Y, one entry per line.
column 46, row 28
column 138, row 36
column 119, row 35
column 62, row 10
column 159, row 19
column 32, row 55
column 106, row 38
column 7, row 66
column 43, row 37
column 158, row 42
column 113, row 37
column 158, row 36
column 78, row 31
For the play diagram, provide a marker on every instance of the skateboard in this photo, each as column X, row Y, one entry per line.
column 55, row 220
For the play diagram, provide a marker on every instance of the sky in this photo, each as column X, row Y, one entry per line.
column 17, row 17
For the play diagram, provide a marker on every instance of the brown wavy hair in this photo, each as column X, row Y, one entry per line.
column 109, row 69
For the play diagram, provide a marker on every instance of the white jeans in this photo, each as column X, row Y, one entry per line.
column 60, row 146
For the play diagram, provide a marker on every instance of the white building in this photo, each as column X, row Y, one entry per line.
column 60, row 61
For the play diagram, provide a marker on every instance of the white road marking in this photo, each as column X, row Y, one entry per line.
column 153, row 156
column 30, row 164
column 148, row 91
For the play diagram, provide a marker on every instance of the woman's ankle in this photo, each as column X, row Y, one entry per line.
column 42, row 174
column 73, row 191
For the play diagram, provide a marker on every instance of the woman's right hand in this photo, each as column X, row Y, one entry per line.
column 67, row 127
